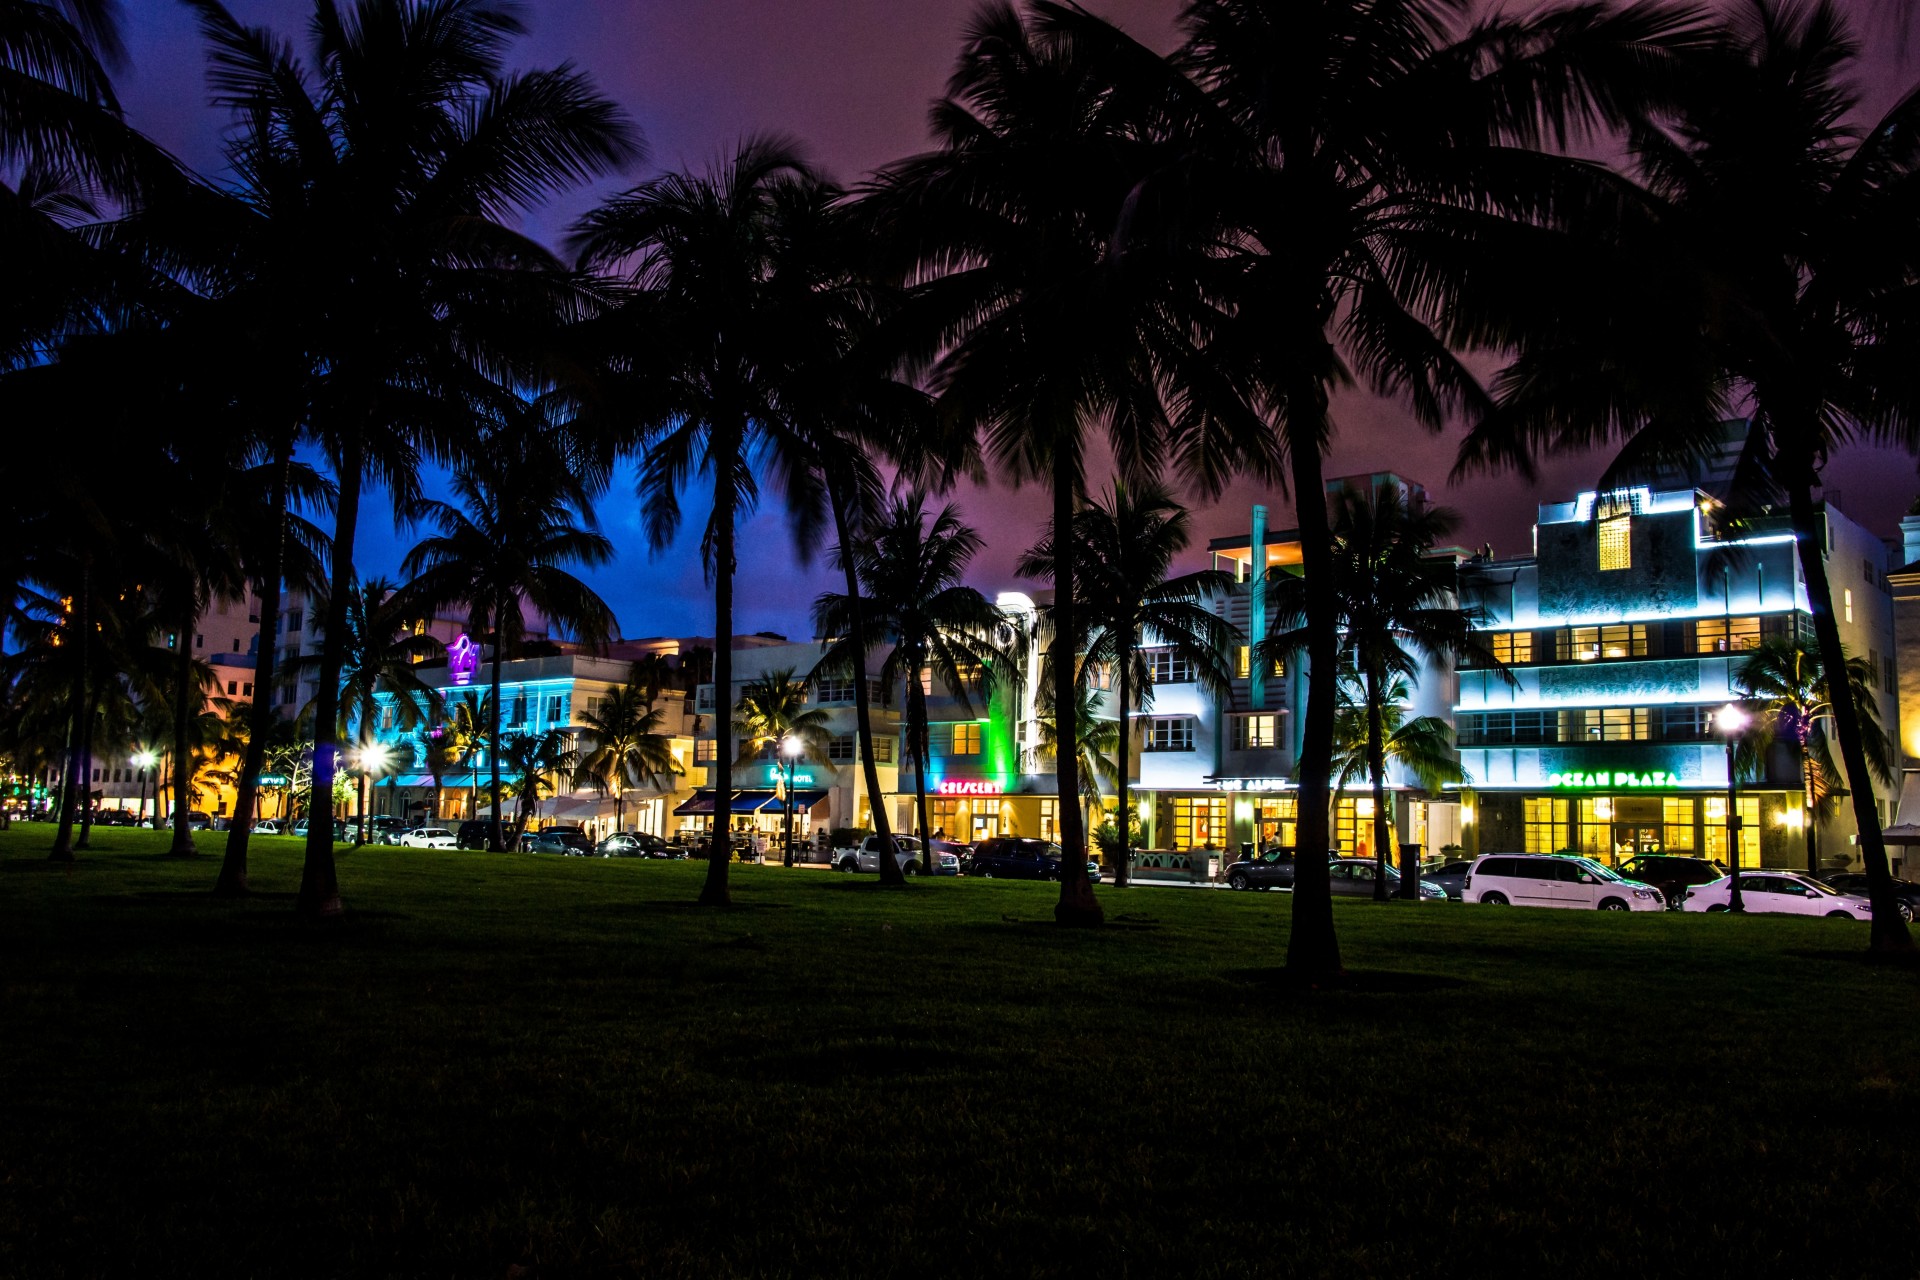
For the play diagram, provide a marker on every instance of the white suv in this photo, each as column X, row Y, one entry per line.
column 906, row 851
column 1554, row 880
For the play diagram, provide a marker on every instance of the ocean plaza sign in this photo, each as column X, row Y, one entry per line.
column 1613, row 779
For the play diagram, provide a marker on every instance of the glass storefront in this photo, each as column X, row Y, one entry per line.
column 1613, row 828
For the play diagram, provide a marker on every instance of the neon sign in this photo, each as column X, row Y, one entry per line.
column 969, row 787
column 1620, row 780
column 463, row 658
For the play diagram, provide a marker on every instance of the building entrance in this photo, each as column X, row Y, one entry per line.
column 1630, row 840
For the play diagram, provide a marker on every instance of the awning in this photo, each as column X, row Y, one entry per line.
column 807, row 799
column 576, row 807
column 702, row 802
column 743, row 802
column 407, row 780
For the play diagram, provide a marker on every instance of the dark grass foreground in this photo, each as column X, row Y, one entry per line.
column 507, row 1065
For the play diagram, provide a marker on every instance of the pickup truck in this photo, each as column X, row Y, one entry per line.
column 906, row 850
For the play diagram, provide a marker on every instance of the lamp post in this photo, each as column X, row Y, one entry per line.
column 144, row 760
column 790, row 747
column 1732, row 721
column 373, row 759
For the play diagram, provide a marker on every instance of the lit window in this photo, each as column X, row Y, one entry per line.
column 1848, row 595
column 1254, row 733
column 1164, row 666
column 1616, row 541
column 966, row 739
column 883, row 750
column 1246, row 662
column 1170, row 733
column 1726, row 635
column 1511, row 646
column 704, row 750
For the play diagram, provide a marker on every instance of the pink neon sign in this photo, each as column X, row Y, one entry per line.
column 463, row 659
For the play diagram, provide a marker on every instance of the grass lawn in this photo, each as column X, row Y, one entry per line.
column 511, row 1065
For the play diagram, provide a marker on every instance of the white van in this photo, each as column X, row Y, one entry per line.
column 1555, row 880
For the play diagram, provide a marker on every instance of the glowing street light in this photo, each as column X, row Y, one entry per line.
column 790, row 749
column 373, row 757
column 144, row 760
column 1732, row 721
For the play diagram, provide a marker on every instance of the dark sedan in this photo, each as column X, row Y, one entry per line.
column 1354, row 878
column 1672, row 874
column 637, row 844
column 1905, row 892
column 569, row 841
column 1019, row 858
column 1270, row 870
column 1451, row 876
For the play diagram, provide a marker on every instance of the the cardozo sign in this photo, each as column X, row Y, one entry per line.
column 1614, row 779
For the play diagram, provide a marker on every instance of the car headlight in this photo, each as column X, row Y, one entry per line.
column 1646, row 893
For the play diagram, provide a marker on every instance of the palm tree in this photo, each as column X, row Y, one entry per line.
column 507, row 549
column 1395, row 602
column 1769, row 264
column 625, row 745
column 470, row 734
column 770, row 714
column 1036, row 327
column 1787, row 694
column 1128, row 603
column 1095, row 737
column 381, row 654
column 710, row 347
column 1362, row 172
column 1422, row 745
column 914, row 599
column 536, row 762
column 380, row 185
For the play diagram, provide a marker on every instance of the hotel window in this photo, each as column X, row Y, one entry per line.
column 1199, row 822
column 1726, row 635
column 1616, row 537
column 1584, row 644
column 233, row 687
column 386, row 717
column 1245, row 664
column 841, row 749
column 1277, row 818
column 1620, row 724
column 1847, row 595
column 834, row 689
column 519, row 715
column 966, row 740
column 1546, row 820
column 1686, row 724
column 704, row 750
column 1714, row 824
column 1677, row 813
column 1164, row 666
column 556, row 709
column 294, row 620
column 1170, row 733
column 246, row 690
column 1510, row 647
column 1255, row 732
column 1049, row 819
column 883, row 750
column 199, row 641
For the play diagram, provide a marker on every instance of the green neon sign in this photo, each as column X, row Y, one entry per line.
column 1614, row 779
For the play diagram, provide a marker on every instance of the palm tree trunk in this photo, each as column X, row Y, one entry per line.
column 1376, row 775
column 91, row 712
column 714, row 891
column 863, row 697
column 1077, row 904
column 922, row 734
column 495, row 841
column 1313, row 951
column 319, row 878
column 233, row 866
column 1806, row 802
column 1889, row 933
column 183, row 846
column 1122, row 819
column 63, row 839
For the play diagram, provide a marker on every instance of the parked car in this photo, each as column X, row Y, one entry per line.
column 114, row 818
column 1905, row 892
column 196, row 820
column 472, row 834
column 339, row 829
column 1672, row 874
column 1020, row 858
column 638, row 844
column 568, row 840
column 1780, row 893
column 1272, row 869
column 270, row 827
column 1354, row 877
column 1450, row 876
column 907, row 851
column 426, row 838
column 1556, row 880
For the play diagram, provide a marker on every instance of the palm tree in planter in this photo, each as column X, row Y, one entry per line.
column 506, row 546
column 1396, row 601
column 1786, row 691
column 1769, row 266
column 536, row 763
column 624, row 743
column 913, row 598
column 1129, row 606
column 772, row 711
column 1096, row 739
column 1422, row 745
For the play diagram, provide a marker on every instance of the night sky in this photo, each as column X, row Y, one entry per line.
column 852, row 79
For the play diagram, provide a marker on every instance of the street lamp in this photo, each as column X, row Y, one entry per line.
column 144, row 761
column 374, row 758
column 1732, row 721
column 790, row 748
